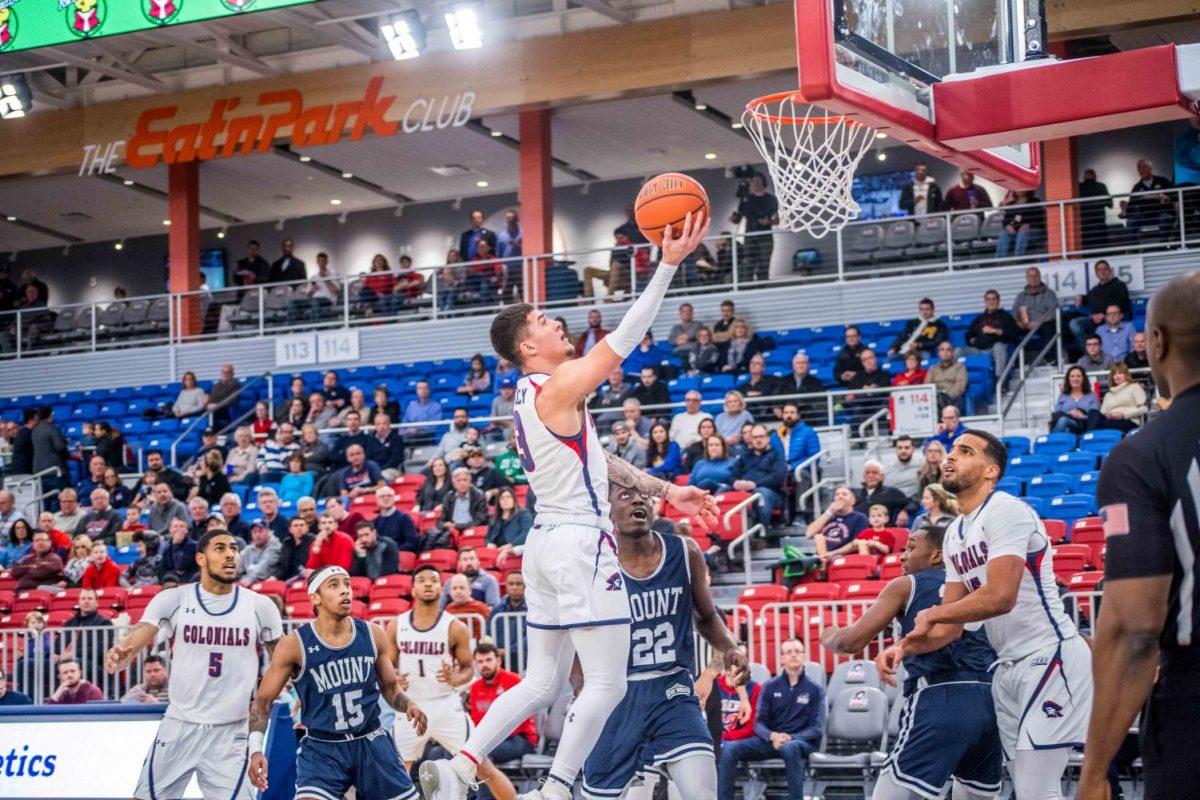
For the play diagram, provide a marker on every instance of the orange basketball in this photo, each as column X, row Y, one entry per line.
column 666, row 200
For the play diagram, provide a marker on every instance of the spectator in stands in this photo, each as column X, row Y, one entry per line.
column 623, row 445
column 484, row 476
column 931, row 472
column 685, row 332
column 651, row 391
column 1124, row 406
column 11, row 697
column 336, row 396
column 912, row 375
column 332, row 546
column 298, row 482
column 60, row 540
column 508, row 463
column 743, row 345
column 760, row 209
column 849, row 359
column 208, row 444
column 761, row 470
column 41, row 566
column 730, row 421
column 685, row 426
column 253, row 268
column 795, row 441
column 904, row 469
column 869, row 376
column 592, row 336
column 483, row 587
column 103, row 572
column 509, row 630
column 231, row 512
column 922, row 196
column 468, row 241
column 494, row 681
column 87, row 646
column 260, row 557
column 78, row 559
column 874, row 491
column 609, row 397
column 272, row 456
column 179, row 483
column 1093, row 219
column 145, row 569
column 924, row 333
column 384, row 404
column 221, row 396
column 153, row 688
column 1137, row 358
column 993, row 331
column 464, row 506
column 502, row 406
column 1077, row 410
column 949, row 429
column 211, row 483
column 268, row 508
column 72, row 688
column 838, row 525
column 22, row 448
column 876, row 540
column 789, row 723
column 477, row 380
column 385, row 447
column 317, row 297
column 164, row 509
column 243, row 458
column 320, row 412
column 510, row 524
column 965, row 195
column 1036, row 305
column 462, row 604
column 508, row 247
column 394, row 524
column 8, row 515
column 354, row 435
column 621, row 261
column 191, row 399
column 455, row 436
column 294, row 549
column 702, row 356
column 68, row 519
column 1023, row 223
column 374, row 557
column 102, row 522
column 695, row 452
column 94, row 478
column 663, row 458
column 949, row 376
column 1116, row 336
column 50, row 450
column 178, row 552
column 1150, row 216
column 759, row 383
column 646, row 354
column 713, row 471
column 639, row 426
column 296, row 391
column 20, row 542
column 1108, row 290
column 262, row 426
column 1094, row 359
column 378, row 285
column 119, row 494
column 317, row 455
column 939, row 507
column 437, row 484
column 287, row 268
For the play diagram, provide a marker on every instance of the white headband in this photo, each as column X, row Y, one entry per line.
column 323, row 574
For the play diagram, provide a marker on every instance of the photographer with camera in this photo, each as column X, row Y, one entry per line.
column 761, row 212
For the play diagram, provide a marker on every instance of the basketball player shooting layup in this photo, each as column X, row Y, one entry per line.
column 339, row 666
column 576, row 598
column 999, row 572
column 217, row 626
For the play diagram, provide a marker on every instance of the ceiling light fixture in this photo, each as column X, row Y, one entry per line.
column 347, row 175
column 11, row 218
column 496, row 134
column 119, row 245
column 127, row 182
column 881, row 156
column 335, row 202
column 736, row 125
column 404, row 34
column 710, row 156
column 166, row 222
column 279, row 225
column 701, row 106
column 342, row 218
column 457, row 204
column 481, row 184
column 15, row 97
column 305, row 159
column 463, row 24
column 221, row 233
column 880, row 135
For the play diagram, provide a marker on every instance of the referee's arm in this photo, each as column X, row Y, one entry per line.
column 1139, row 563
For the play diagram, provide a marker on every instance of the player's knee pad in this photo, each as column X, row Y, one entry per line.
column 1037, row 774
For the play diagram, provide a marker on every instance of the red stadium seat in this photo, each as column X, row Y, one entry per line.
column 442, row 558
column 55, row 619
column 487, row 556
column 1089, row 530
column 388, row 592
column 851, row 568
column 1084, row 582
column 137, row 601
column 408, row 560
column 14, row 620
column 401, row 581
column 111, row 597
column 862, row 590
column 32, row 600
column 521, row 492
column 428, row 520
column 412, row 481
column 472, row 537
column 358, row 609
column 63, row 602
column 387, row 607
column 806, row 592
column 8, row 584
column 890, row 567
column 296, row 594
column 270, row 586
column 901, row 536
column 149, row 590
column 1069, row 559
column 303, row 610
column 511, row 564
column 756, row 597
column 360, row 586
column 682, row 480
column 6, row 599
column 1056, row 529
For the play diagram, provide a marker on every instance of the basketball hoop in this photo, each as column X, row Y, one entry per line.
column 811, row 159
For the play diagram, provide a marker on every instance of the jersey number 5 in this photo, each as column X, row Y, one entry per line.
column 347, row 710
column 653, row 646
column 215, row 664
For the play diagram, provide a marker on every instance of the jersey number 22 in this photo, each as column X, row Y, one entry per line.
column 655, row 646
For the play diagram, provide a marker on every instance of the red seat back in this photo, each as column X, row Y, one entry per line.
column 1056, row 529
column 851, row 568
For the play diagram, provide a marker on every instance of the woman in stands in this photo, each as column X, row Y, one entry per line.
column 1124, row 407
column 931, row 471
column 298, row 482
column 385, row 404
column 743, row 344
column 243, row 458
column 295, row 413
column 702, row 357
column 110, row 445
column 262, row 427
column 20, row 541
column 940, row 507
column 191, row 398
column 211, row 483
column 437, row 483
column 735, row 416
column 78, row 560
column 715, row 472
column 697, row 450
column 663, row 459
column 119, row 495
column 510, row 523
column 478, row 380
column 377, row 287
column 912, row 375
column 1077, row 410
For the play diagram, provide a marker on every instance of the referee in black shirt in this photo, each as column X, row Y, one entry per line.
column 1149, row 497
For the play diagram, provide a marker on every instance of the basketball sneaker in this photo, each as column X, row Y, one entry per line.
column 441, row 781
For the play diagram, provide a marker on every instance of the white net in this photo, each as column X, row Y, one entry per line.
column 811, row 158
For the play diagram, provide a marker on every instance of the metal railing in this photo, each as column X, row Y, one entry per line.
column 748, row 531
column 944, row 242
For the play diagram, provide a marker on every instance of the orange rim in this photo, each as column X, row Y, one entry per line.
column 752, row 108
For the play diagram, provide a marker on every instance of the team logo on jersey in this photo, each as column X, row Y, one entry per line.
column 614, row 583
column 1039, row 661
column 1052, row 709
column 678, row 690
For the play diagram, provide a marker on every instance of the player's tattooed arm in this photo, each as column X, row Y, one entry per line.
column 690, row 500
column 389, row 684
column 121, row 654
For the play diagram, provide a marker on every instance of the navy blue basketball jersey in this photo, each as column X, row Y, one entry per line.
column 661, row 607
column 970, row 652
column 338, row 687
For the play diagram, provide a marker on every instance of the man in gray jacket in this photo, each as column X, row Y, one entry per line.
column 623, row 445
column 261, row 556
column 1035, row 305
column 164, row 509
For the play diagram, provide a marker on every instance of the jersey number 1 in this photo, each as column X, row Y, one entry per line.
column 346, row 705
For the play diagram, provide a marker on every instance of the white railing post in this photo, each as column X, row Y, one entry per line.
column 18, row 333
column 841, row 252
column 433, row 283
column 93, row 327
column 1062, row 228
column 733, row 254
column 949, row 242
column 262, row 305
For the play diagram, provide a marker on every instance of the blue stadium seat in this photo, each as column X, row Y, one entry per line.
column 1099, row 441
column 1074, row 463
column 828, row 333
column 1011, row 485
column 1017, row 445
column 1086, row 483
column 711, row 384
column 1027, row 466
column 1048, row 485
column 1052, row 444
column 1070, row 507
column 1038, row 504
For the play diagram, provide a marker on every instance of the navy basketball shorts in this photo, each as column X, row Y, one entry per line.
column 326, row 770
column 947, row 729
column 658, row 721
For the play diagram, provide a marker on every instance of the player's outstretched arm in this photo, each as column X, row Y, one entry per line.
column 576, row 379
column 853, row 639
column 997, row 596
column 285, row 660
column 389, row 684
column 691, row 500
column 121, row 654
column 1124, row 663
column 709, row 622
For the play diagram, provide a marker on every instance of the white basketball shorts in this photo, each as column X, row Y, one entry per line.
column 448, row 725
column 572, row 578
column 1044, row 700
column 216, row 754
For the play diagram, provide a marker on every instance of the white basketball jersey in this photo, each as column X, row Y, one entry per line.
column 422, row 654
column 214, row 654
column 568, row 475
column 1005, row 526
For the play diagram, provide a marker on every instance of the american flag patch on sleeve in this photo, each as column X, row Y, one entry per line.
column 1115, row 518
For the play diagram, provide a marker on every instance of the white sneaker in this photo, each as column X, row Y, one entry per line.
column 549, row 790
column 439, row 781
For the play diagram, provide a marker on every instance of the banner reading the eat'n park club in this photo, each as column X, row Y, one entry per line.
column 27, row 24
